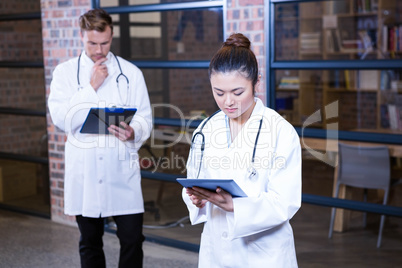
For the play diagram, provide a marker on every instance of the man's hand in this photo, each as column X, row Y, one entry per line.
column 99, row 73
column 199, row 197
column 124, row 134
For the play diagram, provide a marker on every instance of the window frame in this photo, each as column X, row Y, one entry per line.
column 273, row 65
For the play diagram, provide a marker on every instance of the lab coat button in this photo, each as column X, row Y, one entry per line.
column 224, row 234
column 100, row 181
column 100, row 157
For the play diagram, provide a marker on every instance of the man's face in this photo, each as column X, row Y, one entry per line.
column 97, row 44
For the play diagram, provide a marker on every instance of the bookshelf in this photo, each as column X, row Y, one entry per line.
column 347, row 30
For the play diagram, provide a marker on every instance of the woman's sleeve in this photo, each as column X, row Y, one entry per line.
column 282, row 200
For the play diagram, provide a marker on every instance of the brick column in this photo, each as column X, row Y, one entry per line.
column 247, row 17
column 61, row 42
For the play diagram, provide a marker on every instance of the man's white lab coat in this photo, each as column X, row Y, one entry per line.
column 102, row 174
column 257, row 233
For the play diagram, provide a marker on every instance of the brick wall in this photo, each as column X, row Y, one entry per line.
column 61, row 42
column 247, row 17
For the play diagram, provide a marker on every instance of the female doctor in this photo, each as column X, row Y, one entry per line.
column 256, row 147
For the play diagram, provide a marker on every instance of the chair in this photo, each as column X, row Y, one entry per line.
column 363, row 167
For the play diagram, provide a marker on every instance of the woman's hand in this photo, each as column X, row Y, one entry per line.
column 200, row 196
column 124, row 134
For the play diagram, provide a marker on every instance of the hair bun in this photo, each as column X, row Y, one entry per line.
column 237, row 40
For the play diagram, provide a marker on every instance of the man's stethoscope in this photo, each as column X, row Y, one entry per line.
column 251, row 171
column 117, row 80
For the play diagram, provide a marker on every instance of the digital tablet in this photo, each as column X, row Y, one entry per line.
column 211, row 184
column 99, row 119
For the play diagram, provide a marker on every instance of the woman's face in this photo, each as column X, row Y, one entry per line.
column 233, row 94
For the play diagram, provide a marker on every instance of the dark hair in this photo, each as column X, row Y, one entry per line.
column 95, row 19
column 235, row 55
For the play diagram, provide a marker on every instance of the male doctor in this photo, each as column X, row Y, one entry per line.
column 102, row 175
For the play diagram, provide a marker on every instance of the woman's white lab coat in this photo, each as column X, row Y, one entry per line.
column 257, row 233
column 102, row 174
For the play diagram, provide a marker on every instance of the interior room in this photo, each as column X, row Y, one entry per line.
column 330, row 68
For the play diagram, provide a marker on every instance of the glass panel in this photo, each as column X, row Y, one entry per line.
column 354, row 100
column 19, row 7
column 177, row 93
column 23, row 135
column 25, row 185
column 166, row 215
column 173, row 35
column 22, row 88
column 114, row 3
column 338, row 30
column 24, row 40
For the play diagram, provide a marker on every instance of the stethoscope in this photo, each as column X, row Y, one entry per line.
column 117, row 80
column 251, row 171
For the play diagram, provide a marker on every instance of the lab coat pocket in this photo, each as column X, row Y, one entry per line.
column 265, row 252
column 132, row 166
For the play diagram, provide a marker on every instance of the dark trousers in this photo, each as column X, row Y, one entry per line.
column 129, row 232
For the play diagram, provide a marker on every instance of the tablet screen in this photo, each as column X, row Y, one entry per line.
column 228, row 185
column 99, row 119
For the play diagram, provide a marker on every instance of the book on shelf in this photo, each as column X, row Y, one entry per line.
column 336, row 7
column 363, row 6
column 391, row 40
column 391, row 116
column 333, row 40
column 395, row 120
column 310, row 42
column 337, row 42
column 396, row 86
column 337, row 79
column 384, row 116
column 287, row 11
column 349, row 79
column 289, row 82
column 368, row 79
column 385, row 79
column 353, row 45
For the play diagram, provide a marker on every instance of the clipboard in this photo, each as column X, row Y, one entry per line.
column 211, row 184
column 99, row 119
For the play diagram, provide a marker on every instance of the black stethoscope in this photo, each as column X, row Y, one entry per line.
column 117, row 80
column 250, row 170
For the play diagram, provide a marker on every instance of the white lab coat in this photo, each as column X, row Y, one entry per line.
column 102, row 174
column 257, row 233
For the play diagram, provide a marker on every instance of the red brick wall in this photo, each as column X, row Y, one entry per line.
column 247, row 17
column 61, row 42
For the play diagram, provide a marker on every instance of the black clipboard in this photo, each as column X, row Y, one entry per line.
column 211, row 184
column 99, row 119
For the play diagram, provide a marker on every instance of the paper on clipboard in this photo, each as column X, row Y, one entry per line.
column 99, row 119
column 228, row 185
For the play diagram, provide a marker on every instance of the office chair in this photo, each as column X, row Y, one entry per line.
column 363, row 167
